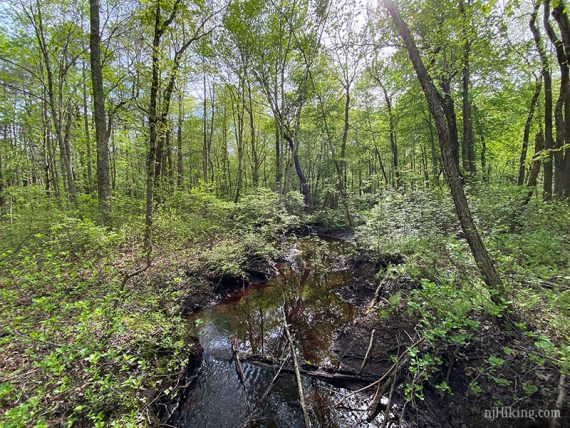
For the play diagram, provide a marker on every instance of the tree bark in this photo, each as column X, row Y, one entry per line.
column 526, row 133
column 480, row 254
column 559, row 108
column 179, row 152
column 547, row 78
column 298, row 169
column 89, row 186
column 392, row 135
column 468, row 146
column 56, row 109
column 101, row 131
column 563, row 162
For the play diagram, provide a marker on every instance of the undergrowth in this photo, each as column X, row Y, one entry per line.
column 453, row 305
column 78, row 349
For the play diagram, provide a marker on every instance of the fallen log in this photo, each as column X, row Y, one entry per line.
column 297, row 373
column 337, row 377
column 235, row 356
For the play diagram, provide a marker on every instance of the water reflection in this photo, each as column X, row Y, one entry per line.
column 303, row 294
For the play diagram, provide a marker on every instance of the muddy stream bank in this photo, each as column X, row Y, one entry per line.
column 324, row 289
column 312, row 291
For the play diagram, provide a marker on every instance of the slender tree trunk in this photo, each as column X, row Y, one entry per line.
column 392, row 135
column 205, row 160
column 468, row 146
column 527, row 125
column 2, row 200
column 480, row 254
column 87, row 138
column 547, row 78
column 448, row 107
column 153, row 122
column 560, row 105
column 253, row 143
column 534, row 167
column 560, row 14
column 345, row 128
column 179, row 152
column 298, row 169
column 55, row 107
column 101, row 131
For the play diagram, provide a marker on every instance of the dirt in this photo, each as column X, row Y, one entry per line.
column 509, row 384
column 209, row 289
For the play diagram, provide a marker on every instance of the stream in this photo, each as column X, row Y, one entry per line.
column 304, row 294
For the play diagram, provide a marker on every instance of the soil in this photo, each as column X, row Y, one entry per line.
column 209, row 289
column 504, row 386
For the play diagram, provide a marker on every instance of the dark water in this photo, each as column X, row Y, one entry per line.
column 304, row 295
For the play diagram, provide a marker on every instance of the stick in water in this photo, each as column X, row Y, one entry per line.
column 297, row 373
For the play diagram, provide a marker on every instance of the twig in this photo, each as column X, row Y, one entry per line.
column 268, row 390
column 239, row 368
column 370, row 343
column 376, row 382
column 376, row 295
column 389, row 403
column 297, row 372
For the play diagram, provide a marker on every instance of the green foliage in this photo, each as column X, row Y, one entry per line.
column 80, row 350
column 450, row 299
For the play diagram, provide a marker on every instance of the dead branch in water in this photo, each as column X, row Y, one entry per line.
column 385, row 375
column 344, row 378
column 297, row 372
column 239, row 368
column 267, row 391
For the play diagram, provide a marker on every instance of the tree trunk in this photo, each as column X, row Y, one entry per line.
column 392, row 134
column 179, row 152
column 254, row 153
column 101, row 131
column 560, row 105
column 55, row 107
column 527, row 125
column 152, row 121
column 468, row 146
column 87, row 138
column 547, row 78
column 563, row 153
column 298, row 169
column 345, row 128
column 480, row 254
column 205, row 161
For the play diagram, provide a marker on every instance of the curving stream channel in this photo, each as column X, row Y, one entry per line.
column 253, row 318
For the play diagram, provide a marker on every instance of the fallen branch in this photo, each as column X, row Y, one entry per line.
column 376, row 297
column 389, row 404
column 297, row 373
column 385, row 375
column 268, row 390
column 344, row 378
column 266, row 393
column 239, row 368
column 370, row 343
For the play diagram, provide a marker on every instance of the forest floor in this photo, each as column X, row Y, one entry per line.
column 77, row 348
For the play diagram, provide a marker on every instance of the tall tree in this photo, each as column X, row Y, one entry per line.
column 437, row 109
column 547, row 79
column 101, row 132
